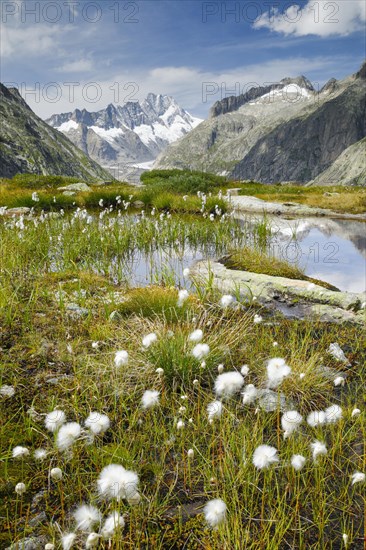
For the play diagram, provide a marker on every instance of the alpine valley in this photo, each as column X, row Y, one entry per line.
column 127, row 139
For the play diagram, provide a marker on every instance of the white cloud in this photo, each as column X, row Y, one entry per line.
column 28, row 41
column 321, row 17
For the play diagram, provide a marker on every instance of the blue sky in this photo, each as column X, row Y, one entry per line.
column 197, row 51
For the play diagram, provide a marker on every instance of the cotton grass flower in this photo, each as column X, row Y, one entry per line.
column 200, row 351
column 121, row 358
column 67, row 435
column 183, row 295
column 220, row 368
column 345, row 539
column 257, row 319
column 7, row 391
column 298, row 462
column 159, row 371
column 92, row 540
column 316, row 418
column 97, row 423
column 277, row 371
column 333, row 414
column 186, row 272
column 54, row 420
column 114, row 521
column 20, row 489
column 116, row 482
column 339, row 381
column 228, row 383
column 249, row 394
column 358, row 477
column 149, row 339
column 20, row 452
column 180, row 424
column 226, row 300
column 190, row 453
column 49, row 546
column 56, row 474
column 67, row 541
column 214, row 410
column 149, row 399
column 264, row 456
column 86, row 517
column 355, row 412
column 290, row 422
column 244, row 371
column 196, row 335
column 40, row 454
column 318, row 449
column 215, row 512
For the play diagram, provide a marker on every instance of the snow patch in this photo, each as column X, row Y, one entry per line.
column 108, row 135
column 67, row 126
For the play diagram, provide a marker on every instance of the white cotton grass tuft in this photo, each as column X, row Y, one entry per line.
column 87, row 517
column 200, row 351
column 257, row 319
column 190, row 453
column 228, row 383
column 358, row 477
column 40, row 454
column 183, row 295
column 220, row 368
column 277, row 371
column 290, row 422
column 116, row 482
column 339, row 381
column 345, row 539
column 226, row 301
column 97, row 423
column 114, row 521
column 121, row 358
column 355, row 412
column 318, row 449
column 92, row 540
column 180, row 424
column 333, row 414
column 149, row 399
column 196, row 335
column 244, row 371
column 215, row 512
column 249, row 394
column 20, row 452
column 49, row 546
column 7, row 391
column 186, row 272
column 67, row 541
column 54, row 420
column 159, row 371
column 298, row 462
column 56, row 474
column 149, row 339
column 316, row 418
column 264, row 456
column 67, row 435
column 214, row 410
column 20, row 488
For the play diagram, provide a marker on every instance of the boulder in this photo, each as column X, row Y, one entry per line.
column 78, row 187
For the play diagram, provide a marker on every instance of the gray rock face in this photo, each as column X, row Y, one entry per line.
column 284, row 132
column 349, row 168
column 122, row 138
column 28, row 144
column 294, row 298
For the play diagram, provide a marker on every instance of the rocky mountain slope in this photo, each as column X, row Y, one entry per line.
column 284, row 132
column 28, row 144
column 126, row 139
column 349, row 168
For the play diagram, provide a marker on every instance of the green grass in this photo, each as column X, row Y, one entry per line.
column 343, row 199
column 183, row 181
column 48, row 357
column 257, row 261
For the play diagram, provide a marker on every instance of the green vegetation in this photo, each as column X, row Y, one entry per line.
column 342, row 199
column 258, row 261
column 68, row 303
column 184, row 181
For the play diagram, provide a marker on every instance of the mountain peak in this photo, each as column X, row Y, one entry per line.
column 300, row 81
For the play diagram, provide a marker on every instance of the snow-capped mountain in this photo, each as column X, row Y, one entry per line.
column 126, row 139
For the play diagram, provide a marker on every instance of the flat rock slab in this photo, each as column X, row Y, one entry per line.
column 246, row 203
column 292, row 297
column 19, row 211
column 77, row 187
